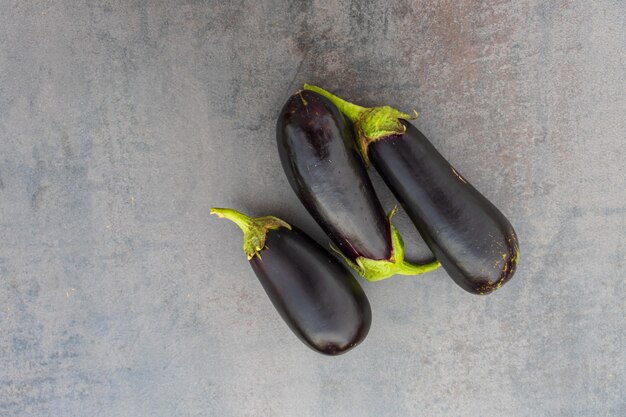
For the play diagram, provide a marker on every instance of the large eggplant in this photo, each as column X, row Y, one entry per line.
column 472, row 239
column 324, row 168
column 315, row 294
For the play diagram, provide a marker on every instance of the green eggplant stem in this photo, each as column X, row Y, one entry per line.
column 379, row 269
column 370, row 124
column 254, row 229
column 350, row 110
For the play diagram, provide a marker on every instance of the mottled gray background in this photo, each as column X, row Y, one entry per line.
column 123, row 122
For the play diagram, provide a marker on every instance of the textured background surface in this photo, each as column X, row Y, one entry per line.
column 122, row 122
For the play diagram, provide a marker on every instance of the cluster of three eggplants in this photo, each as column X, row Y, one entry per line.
column 315, row 295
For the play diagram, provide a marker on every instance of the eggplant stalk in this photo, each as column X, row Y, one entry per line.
column 379, row 269
column 371, row 124
column 254, row 229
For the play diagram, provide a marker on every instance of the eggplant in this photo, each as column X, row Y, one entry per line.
column 473, row 240
column 319, row 299
column 323, row 165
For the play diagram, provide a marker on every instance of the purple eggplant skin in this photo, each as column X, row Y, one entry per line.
column 325, row 170
column 315, row 294
column 472, row 239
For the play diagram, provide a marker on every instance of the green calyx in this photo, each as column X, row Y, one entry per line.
column 376, row 270
column 371, row 124
column 254, row 229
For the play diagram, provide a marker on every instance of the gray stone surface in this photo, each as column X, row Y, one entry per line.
column 123, row 122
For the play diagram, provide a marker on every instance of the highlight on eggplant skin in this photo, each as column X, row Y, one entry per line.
column 318, row 298
column 473, row 240
column 324, row 168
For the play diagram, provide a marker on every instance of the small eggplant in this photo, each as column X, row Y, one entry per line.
column 314, row 293
column 472, row 239
column 324, row 168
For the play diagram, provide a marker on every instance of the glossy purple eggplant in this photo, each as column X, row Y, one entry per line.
column 472, row 239
column 314, row 293
column 324, row 168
